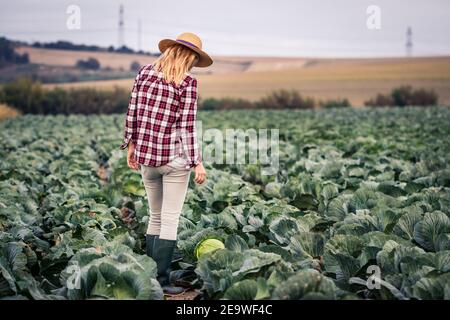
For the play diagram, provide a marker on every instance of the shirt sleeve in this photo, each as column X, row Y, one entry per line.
column 130, row 119
column 188, row 116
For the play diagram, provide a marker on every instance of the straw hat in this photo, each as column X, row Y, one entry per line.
column 191, row 41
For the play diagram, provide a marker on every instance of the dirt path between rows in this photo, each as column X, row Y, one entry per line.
column 187, row 295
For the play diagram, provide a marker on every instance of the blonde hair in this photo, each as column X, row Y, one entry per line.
column 175, row 62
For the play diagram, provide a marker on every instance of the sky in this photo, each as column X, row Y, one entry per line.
column 308, row 28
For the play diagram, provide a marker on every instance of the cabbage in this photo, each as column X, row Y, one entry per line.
column 356, row 188
column 207, row 246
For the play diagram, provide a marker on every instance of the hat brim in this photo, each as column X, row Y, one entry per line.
column 204, row 59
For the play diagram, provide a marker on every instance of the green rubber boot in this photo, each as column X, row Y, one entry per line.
column 149, row 244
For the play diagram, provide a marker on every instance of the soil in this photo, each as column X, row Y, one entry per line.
column 187, row 295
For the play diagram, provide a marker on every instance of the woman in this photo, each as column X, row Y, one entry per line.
column 162, row 142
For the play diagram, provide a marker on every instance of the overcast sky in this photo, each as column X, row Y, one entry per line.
column 323, row 28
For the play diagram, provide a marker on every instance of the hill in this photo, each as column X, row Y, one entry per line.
column 253, row 77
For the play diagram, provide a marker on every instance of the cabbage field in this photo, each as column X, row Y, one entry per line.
column 358, row 210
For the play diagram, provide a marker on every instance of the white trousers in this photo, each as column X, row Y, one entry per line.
column 166, row 188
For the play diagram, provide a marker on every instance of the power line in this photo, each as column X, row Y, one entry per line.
column 252, row 45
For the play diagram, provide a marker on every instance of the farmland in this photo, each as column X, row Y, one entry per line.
column 253, row 77
column 357, row 189
column 355, row 79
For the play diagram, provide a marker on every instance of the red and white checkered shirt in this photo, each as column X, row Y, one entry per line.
column 161, row 119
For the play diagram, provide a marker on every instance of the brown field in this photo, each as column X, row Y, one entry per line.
column 70, row 58
column 7, row 112
column 253, row 77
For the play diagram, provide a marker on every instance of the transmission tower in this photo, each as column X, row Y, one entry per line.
column 409, row 43
column 121, row 35
column 139, row 34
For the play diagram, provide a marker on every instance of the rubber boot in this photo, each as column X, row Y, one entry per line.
column 149, row 244
column 162, row 254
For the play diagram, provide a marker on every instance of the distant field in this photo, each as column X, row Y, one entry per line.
column 253, row 77
column 324, row 79
column 70, row 58
column 354, row 79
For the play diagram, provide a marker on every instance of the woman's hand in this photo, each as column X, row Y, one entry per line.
column 132, row 163
column 200, row 173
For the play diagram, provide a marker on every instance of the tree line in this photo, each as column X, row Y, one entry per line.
column 29, row 96
column 8, row 56
column 67, row 45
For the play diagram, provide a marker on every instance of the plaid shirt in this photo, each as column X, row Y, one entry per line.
column 161, row 119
